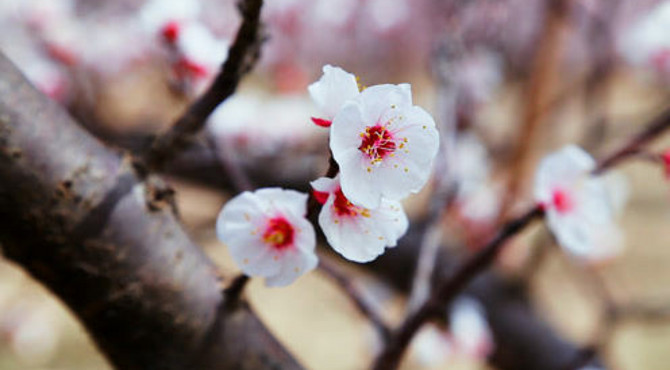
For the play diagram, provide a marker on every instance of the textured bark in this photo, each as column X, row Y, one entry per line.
column 76, row 216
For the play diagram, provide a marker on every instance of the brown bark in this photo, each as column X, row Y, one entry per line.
column 77, row 217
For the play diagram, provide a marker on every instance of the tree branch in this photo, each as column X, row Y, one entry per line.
column 243, row 54
column 347, row 285
column 445, row 292
column 78, row 218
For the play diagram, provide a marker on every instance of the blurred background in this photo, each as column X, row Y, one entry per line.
column 507, row 81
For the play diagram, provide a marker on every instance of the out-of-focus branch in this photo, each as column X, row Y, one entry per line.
column 242, row 56
column 229, row 165
column 79, row 219
column 541, row 83
column 449, row 288
column 348, row 286
column 650, row 132
column 597, row 84
column 445, row 184
column 523, row 341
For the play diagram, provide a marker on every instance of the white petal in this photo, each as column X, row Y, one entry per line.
column 470, row 328
column 350, row 236
column 411, row 165
column 362, row 238
column 395, row 177
column 305, row 237
column 332, row 90
column 155, row 13
column 325, row 184
column 561, row 169
column 294, row 265
column 379, row 99
column 286, row 200
column 588, row 230
column 347, row 126
column 359, row 185
column 242, row 222
column 391, row 221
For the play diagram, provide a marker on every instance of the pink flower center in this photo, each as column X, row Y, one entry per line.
column 666, row 162
column 342, row 205
column 377, row 142
column 561, row 200
column 279, row 233
column 344, row 208
column 661, row 59
column 170, row 32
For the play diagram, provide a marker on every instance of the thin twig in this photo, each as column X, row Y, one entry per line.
column 651, row 131
column 229, row 164
column 347, row 285
column 242, row 57
column 445, row 184
column 392, row 353
column 643, row 312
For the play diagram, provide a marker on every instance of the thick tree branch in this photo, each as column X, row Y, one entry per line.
column 79, row 219
column 242, row 56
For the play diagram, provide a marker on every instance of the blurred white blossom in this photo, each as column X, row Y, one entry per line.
column 580, row 208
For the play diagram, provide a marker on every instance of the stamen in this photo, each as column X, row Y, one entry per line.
column 377, row 142
column 278, row 233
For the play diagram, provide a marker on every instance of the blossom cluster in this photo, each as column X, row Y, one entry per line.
column 384, row 147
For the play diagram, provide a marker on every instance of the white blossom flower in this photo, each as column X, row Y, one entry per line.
column 198, row 46
column 469, row 328
column 579, row 207
column 267, row 234
column 331, row 91
column 432, row 346
column 384, row 145
column 468, row 336
column 358, row 234
column 167, row 17
column 647, row 43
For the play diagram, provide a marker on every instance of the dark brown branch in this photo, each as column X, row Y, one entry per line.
column 78, row 218
column 347, row 285
column 445, row 292
column 242, row 56
column 650, row 132
column 236, row 287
